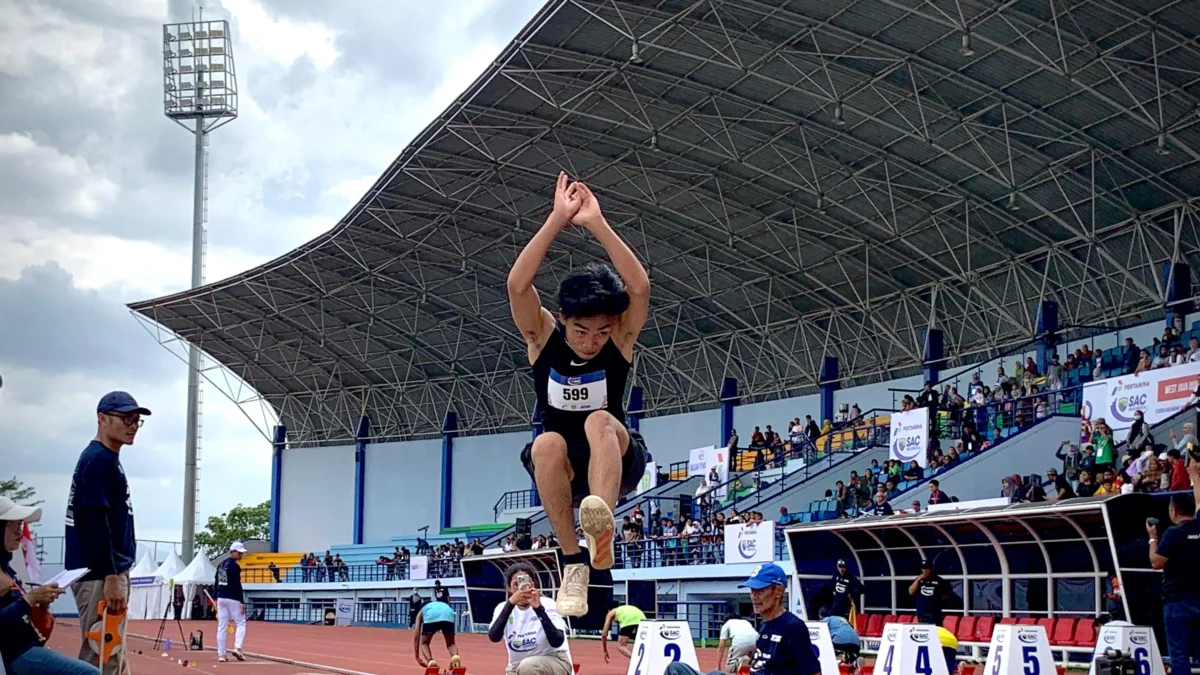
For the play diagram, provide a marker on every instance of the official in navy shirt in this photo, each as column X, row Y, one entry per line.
column 783, row 645
column 931, row 592
column 230, row 602
column 1177, row 552
column 99, row 524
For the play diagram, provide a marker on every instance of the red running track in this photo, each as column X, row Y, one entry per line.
column 311, row 649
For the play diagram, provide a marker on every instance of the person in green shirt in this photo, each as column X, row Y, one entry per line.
column 627, row 617
column 1102, row 439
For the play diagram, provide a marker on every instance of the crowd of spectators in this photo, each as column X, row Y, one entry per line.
column 664, row 540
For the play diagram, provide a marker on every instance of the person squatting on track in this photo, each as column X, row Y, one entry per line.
column 581, row 359
column 627, row 617
column 737, row 643
column 231, row 602
column 99, row 531
column 783, row 646
column 25, row 620
column 435, row 617
column 530, row 626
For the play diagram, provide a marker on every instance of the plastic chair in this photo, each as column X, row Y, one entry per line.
column 1064, row 632
column 984, row 628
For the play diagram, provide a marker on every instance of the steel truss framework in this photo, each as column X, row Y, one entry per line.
column 801, row 179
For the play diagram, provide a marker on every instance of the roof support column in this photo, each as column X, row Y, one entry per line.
column 449, row 431
column 278, row 443
column 360, row 475
column 729, row 399
column 829, row 383
column 634, row 416
column 1177, row 280
column 933, row 354
column 1047, row 331
column 536, row 500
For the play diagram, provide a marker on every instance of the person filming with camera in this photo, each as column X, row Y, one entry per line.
column 530, row 627
column 1176, row 551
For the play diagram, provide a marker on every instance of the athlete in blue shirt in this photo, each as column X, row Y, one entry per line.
column 434, row 617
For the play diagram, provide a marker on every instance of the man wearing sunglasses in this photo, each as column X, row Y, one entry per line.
column 99, row 532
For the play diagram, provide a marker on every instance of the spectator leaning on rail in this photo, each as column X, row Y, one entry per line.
column 99, row 533
column 24, row 617
column 1176, row 552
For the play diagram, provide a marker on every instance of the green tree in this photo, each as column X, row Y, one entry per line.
column 239, row 524
column 17, row 491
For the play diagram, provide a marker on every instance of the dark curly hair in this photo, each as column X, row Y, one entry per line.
column 595, row 290
column 517, row 568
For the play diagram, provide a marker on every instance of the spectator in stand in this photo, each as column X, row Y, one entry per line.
column 756, row 438
column 1010, row 490
column 1086, row 486
column 1189, row 437
column 936, row 496
column 881, row 507
column 1178, row 356
column 1034, row 493
column 1107, row 486
column 1163, row 358
column 1102, row 440
column 1060, row 487
column 916, row 506
column 1132, row 354
column 842, row 590
column 1193, row 351
column 1054, row 373
column 914, row 471
column 1179, row 475
column 1177, row 553
column 1143, row 363
column 811, row 429
column 1139, row 432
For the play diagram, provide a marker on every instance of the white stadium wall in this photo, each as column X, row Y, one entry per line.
column 875, row 396
column 776, row 413
column 485, row 467
column 401, row 493
column 316, row 498
column 671, row 438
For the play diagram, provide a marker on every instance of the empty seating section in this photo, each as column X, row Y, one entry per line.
column 262, row 561
column 1061, row 631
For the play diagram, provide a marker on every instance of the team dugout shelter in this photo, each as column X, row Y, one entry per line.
column 1047, row 563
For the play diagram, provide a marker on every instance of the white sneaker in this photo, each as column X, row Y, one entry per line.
column 237, row 654
column 572, row 595
column 222, row 659
column 596, row 521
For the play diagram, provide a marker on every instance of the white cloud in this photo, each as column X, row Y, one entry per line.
column 282, row 39
column 76, row 188
column 352, row 189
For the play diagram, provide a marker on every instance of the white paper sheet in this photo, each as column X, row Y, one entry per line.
column 67, row 577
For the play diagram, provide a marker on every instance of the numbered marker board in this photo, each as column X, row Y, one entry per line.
column 1136, row 641
column 659, row 644
column 910, row 649
column 822, row 644
column 1020, row 650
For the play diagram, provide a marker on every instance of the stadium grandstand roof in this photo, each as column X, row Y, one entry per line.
column 801, row 178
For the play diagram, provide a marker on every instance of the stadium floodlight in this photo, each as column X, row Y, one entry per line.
column 200, row 94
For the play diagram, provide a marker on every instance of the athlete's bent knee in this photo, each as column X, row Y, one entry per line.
column 548, row 447
column 600, row 422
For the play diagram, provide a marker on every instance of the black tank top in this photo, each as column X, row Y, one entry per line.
column 569, row 389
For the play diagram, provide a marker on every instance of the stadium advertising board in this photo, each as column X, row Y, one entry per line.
column 750, row 543
column 910, row 436
column 702, row 462
column 1158, row 394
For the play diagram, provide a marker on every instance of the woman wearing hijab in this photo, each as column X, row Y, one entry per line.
column 25, row 619
column 1009, row 490
column 1139, row 432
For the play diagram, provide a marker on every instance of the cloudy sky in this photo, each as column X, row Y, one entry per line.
column 96, row 210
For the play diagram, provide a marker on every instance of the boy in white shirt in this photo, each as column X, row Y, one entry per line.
column 738, row 642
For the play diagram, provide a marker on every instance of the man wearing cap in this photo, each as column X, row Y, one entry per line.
column 931, row 592
column 230, row 601
column 843, row 589
column 783, row 646
column 99, row 524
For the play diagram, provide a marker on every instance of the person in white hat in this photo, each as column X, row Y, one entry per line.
column 230, row 603
column 24, row 619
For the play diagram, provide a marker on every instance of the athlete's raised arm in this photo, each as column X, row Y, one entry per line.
column 637, row 282
column 534, row 321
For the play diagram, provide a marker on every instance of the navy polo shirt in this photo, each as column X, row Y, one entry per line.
column 99, row 533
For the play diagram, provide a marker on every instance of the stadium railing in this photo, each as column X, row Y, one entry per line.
column 380, row 612
column 514, row 499
column 52, row 550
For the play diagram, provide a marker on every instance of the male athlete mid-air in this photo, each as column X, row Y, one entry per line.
column 586, row 456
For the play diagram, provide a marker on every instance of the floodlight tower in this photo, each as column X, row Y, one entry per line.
column 200, row 94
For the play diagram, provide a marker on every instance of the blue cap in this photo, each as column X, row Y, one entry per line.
column 765, row 576
column 120, row 402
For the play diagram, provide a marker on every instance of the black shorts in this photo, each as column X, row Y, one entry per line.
column 629, row 631
column 444, row 627
column 633, row 465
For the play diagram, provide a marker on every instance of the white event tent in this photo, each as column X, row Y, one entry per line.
column 144, row 589
column 200, row 572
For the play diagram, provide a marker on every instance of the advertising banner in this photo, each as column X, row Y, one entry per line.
column 910, row 436
column 698, row 461
column 649, row 478
column 1158, row 394
column 718, row 470
column 418, row 568
column 343, row 610
column 750, row 543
